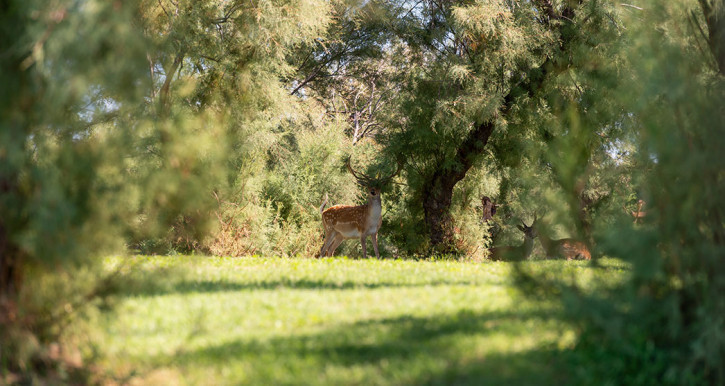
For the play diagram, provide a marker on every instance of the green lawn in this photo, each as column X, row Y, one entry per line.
column 203, row 320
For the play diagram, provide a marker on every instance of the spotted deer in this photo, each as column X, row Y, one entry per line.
column 570, row 249
column 343, row 222
column 516, row 253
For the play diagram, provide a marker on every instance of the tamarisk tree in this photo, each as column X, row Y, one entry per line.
column 114, row 120
column 479, row 65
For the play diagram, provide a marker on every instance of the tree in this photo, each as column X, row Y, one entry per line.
column 115, row 118
column 351, row 71
column 664, row 324
column 479, row 67
column 227, row 60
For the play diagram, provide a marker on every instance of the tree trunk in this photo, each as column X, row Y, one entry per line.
column 438, row 191
column 165, row 91
column 715, row 18
column 10, row 268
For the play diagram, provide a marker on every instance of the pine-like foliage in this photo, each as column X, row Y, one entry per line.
column 663, row 115
column 119, row 121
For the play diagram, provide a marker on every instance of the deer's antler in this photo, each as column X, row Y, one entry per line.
column 361, row 178
column 385, row 180
column 365, row 180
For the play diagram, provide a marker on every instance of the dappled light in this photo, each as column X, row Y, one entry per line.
column 323, row 321
column 362, row 192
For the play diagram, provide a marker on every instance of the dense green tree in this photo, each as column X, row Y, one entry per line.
column 68, row 116
column 62, row 89
column 116, row 118
column 664, row 324
column 480, row 67
column 228, row 60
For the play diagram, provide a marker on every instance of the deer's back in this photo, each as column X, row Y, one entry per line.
column 573, row 249
column 351, row 221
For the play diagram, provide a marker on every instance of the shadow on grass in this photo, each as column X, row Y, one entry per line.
column 152, row 287
column 448, row 348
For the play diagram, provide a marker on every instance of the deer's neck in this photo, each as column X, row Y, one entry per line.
column 374, row 213
column 528, row 246
column 375, row 207
column 546, row 242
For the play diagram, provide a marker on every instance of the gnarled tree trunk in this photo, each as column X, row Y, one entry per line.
column 438, row 192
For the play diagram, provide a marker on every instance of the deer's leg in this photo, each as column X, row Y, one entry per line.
column 363, row 242
column 331, row 243
column 328, row 242
column 374, row 236
column 335, row 243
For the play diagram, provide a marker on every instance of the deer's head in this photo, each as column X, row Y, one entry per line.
column 529, row 231
column 489, row 208
column 372, row 184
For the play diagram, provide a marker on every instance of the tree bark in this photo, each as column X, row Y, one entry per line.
column 438, row 192
column 715, row 19
column 10, row 268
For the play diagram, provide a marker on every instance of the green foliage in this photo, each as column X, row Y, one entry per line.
column 278, row 212
column 83, row 165
column 226, row 60
column 53, row 186
column 678, row 271
column 656, row 99
column 64, row 196
column 118, row 125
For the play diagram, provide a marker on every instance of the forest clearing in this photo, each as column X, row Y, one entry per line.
column 205, row 320
column 362, row 192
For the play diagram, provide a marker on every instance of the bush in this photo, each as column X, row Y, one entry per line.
column 275, row 210
column 665, row 325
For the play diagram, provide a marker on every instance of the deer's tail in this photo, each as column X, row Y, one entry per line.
column 324, row 203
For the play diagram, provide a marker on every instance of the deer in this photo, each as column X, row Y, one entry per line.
column 639, row 214
column 569, row 249
column 489, row 208
column 342, row 222
column 517, row 253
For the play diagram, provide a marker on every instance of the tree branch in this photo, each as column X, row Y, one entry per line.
column 164, row 93
column 715, row 19
column 308, row 79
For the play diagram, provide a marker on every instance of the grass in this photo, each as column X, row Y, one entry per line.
column 203, row 320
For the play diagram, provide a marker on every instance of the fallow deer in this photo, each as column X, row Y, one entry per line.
column 489, row 208
column 517, row 253
column 570, row 249
column 343, row 222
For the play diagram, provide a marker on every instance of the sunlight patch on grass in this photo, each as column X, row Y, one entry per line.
column 292, row 321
